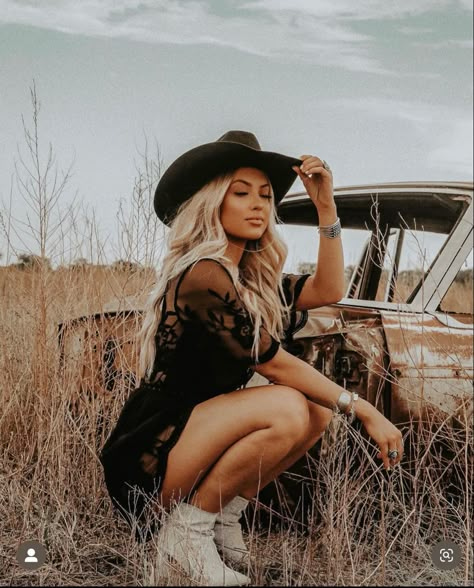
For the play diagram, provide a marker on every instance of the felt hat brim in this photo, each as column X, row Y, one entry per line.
column 198, row 166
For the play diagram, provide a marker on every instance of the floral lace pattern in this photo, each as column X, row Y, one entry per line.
column 166, row 339
column 206, row 295
column 242, row 329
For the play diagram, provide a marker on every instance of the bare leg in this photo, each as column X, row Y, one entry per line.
column 320, row 417
column 258, row 471
column 247, row 464
column 238, row 437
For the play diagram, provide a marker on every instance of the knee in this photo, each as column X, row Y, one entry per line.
column 320, row 417
column 290, row 413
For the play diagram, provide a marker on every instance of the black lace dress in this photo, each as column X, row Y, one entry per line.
column 203, row 349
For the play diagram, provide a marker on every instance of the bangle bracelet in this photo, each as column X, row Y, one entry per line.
column 346, row 400
column 331, row 231
column 343, row 402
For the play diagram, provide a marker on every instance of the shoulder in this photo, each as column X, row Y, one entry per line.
column 208, row 266
column 204, row 273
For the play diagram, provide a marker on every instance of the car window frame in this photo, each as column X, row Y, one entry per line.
column 428, row 293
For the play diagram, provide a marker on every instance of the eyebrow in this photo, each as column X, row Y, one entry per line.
column 249, row 184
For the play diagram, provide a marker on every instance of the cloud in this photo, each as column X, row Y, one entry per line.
column 297, row 37
column 361, row 10
column 447, row 131
column 317, row 32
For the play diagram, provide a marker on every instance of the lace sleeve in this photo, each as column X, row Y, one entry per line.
column 292, row 286
column 206, row 294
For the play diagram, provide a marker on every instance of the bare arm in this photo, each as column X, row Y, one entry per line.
column 288, row 370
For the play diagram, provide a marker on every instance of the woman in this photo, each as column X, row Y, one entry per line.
column 191, row 435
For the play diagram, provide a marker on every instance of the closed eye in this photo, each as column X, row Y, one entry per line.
column 245, row 193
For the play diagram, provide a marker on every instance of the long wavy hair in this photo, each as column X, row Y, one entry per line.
column 197, row 232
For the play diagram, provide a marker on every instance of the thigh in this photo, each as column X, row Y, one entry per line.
column 218, row 423
column 320, row 417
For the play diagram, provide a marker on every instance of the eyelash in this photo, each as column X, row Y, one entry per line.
column 269, row 196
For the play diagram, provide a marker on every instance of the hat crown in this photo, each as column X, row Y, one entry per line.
column 242, row 137
column 198, row 166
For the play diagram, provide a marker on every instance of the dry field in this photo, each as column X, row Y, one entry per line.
column 369, row 527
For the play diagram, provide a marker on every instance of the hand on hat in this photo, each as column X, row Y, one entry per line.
column 317, row 181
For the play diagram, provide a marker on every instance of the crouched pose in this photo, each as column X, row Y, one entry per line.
column 192, row 436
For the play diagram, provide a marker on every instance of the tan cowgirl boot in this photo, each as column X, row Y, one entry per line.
column 187, row 537
column 228, row 532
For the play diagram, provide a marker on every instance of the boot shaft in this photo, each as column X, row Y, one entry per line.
column 187, row 537
column 232, row 511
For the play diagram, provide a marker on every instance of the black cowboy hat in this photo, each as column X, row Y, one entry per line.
column 195, row 168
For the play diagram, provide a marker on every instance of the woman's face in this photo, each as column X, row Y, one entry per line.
column 248, row 197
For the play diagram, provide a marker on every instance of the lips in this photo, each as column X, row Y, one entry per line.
column 255, row 218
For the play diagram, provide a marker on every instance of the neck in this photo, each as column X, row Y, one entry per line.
column 235, row 251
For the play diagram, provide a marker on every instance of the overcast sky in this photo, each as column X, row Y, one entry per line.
column 381, row 90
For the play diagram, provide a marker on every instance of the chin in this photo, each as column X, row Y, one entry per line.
column 254, row 236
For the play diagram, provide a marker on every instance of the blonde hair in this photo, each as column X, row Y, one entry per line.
column 196, row 232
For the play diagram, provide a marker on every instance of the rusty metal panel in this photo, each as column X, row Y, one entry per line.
column 431, row 368
column 348, row 346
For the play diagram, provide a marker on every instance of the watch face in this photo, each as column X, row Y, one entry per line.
column 344, row 400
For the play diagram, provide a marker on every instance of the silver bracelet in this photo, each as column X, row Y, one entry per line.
column 345, row 401
column 331, row 231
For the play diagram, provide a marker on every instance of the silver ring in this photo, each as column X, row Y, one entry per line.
column 393, row 453
column 326, row 165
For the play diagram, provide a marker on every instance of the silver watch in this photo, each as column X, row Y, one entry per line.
column 344, row 401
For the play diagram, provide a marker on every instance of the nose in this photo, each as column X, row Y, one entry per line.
column 258, row 204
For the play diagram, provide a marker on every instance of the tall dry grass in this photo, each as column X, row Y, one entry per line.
column 368, row 527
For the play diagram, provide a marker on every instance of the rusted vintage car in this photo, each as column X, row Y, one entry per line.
column 402, row 335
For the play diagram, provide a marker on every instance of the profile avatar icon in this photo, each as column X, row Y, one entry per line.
column 31, row 556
